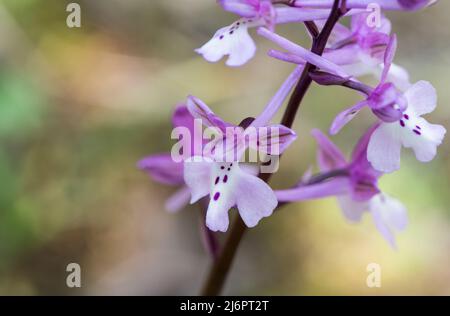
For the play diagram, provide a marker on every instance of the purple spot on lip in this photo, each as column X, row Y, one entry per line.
column 417, row 132
column 217, row 180
column 221, row 37
column 216, row 196
column 228, row 169
column 225, row 179
column 222, row 167
column 418, row 127
column 402, row 123
column 231, row 32
column 406, row 116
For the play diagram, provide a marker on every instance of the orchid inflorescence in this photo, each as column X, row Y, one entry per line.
column 340, row 55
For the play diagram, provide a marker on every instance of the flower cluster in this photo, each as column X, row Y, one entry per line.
column 340, row 56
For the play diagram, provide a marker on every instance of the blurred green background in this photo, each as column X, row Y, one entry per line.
column 79, row 107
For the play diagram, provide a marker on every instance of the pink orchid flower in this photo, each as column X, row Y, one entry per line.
column 355, row 187
column 225, row 182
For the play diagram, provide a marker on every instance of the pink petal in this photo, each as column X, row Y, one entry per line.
column 399, row 76
column 421, row 97
column 197, row 175
column 359, row 154
column 182, row 118
column 319, row 61
column 383, row 228
column 240, row 7
column 389, row 215
column 254, row 199
column 289, row 14
column 200, row 110
column 346, row 116
column 273, row 139
column 389, row 56
column 178, row 200
column 383, row 151
column 346, row 55
column 162, row 168
column 329, row 156
column 334, row 187
column 217, row 214
column 351, row 209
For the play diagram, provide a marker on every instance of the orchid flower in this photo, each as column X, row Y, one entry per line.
column 401, row 121
column 163, row 169
column 411, row 131
column 234, row 40
column 355, row 187
column 225, row 182
column 400, row 113
column 360, row 50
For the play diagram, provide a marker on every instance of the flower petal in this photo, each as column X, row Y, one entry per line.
column 162, row 168
column 307, row 55
column 425, row 141
column 217, row 214
column 254, row 199
column 399, row 76
column 182, row 118
column 178, row 200
column 359, row 154
column 243, row 8
column 197, row 175
column 272, row 139
column 384, row 148
column 389, row 215
column 233, row 41
column 346, row 116
column 200, row 110
column 329, row 156
column 347, row 55
column 351, row 209
column 290, row 14
column 421, row 97
column 389, row 55
column 333, row 187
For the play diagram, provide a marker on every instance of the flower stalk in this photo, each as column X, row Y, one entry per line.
column 221, row 266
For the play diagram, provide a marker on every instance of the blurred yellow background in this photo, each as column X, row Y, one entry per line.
column 79, row 107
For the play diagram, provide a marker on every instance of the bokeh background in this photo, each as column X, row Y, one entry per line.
column 79, row 107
